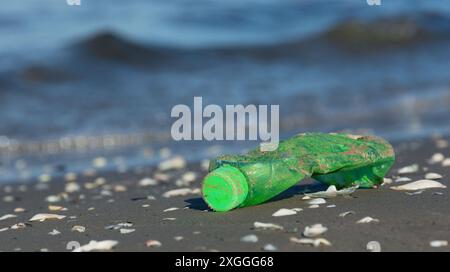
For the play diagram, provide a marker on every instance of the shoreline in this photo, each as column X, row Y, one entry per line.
column 113, row 206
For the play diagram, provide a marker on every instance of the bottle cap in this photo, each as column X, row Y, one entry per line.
column 224, row 188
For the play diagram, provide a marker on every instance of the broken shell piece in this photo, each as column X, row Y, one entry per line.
column 181, row 192
column 415, row 193
column 70, row 177
column 284, row 212
column 178, row 238
column 177, row 162
column 314, row 230
column 308, row 241
column 251, row 238
column 41, row 217
column 419, row 185
column 7, row 216
column 446, row 162
column 171, row 209
column 19, row 210
column 53, row 198
column 54, row 232
column 18, row 226
column 367, row 219
column 189, row 177
column 268, row 226
column 147, row 182
column 97, row 246
column 333, row 192
column 270, row 247
column 403, row 179
column 346, row 213
column 436, row 158
column 386, row 181
column 126, row 231
column 153, row 243
column 79, row 228
column 119, row 226
column 315, row 206
column 72, row 187
column 433, row 176
column 55, row 208
column 317, row 201
column 409, row 169
column 439, row 243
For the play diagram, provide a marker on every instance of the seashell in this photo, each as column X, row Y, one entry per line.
column 270, row 247
column 269, row 226
column 317, row 201
column 171, row 209
column 311, row 241
column 251, row 238
column 403, row 179
column 446, row 162
column 7, row 216
column 177, row 162
column 147, row 182
column 367, row 219
column 409, row 169
column 54, row 232
column 41, row 217
column 419, row 185
column 433, row 176
column 439, row 243
column 153, row 243
column 126, row 231
column 79, row 228
column 346, row 213
column 181, row 192
column 97, row 246
column 314, row 230
column 436, row 158
column 284, row 212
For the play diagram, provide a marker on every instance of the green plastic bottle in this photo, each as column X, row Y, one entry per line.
column 342, row 160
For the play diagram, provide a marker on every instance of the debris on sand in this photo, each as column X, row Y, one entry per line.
column 314, row 230
column 153, row 243
column 333, row 192
column 53, row 198
column 181, row 192
column 373, row 246
column 79, row 228
column 19, row 210
column 41, row 217
column 419, row 185
column 436, row 158
column 284, row 212
column 270, row 247
column 18, row 226
column 433, row 176
column 7, row 216
column 171, row 209
column 178, row 238
column 126, row 231
column 54, row 232
column 55, row 208
column 413, row 168
column 99, row 162
column 72, row 187
column 415, row 193
column 119, row 226
column 251, row 238
column 315, row 206
column 344, row 214
column 446, row 162
column 386, row 181
column 367, row 219
column 317, row 201
column 176, row 162
column 311, row 241
column 403, row 179
column 97, row 246
column 267, row 226
column 147, row 182
column 439, row 243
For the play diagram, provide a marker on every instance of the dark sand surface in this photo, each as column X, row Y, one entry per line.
column 406, row 222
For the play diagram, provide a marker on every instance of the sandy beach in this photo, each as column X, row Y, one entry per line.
column 134, row 210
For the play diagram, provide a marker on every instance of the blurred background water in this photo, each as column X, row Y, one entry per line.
column 100, row 79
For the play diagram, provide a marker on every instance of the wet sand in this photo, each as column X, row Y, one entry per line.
column 406, row 222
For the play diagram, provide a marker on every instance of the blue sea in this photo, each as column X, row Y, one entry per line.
column 100, row 79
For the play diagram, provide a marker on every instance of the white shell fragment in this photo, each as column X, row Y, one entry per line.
column 177, row 162
column 346, row 213
column 409, row 169
column 7, row 216
column 97, row 246
column 181, row 192
column 72, row 187
column 270, row 226
column 79, row 228
column 373, row 246
column 367, row 219
column 314, row 230
column 119, row 226
column 433, row 176
column 126, row 231
column 251, row 238
column 41, row 217
column 439, row 243
column 270, row 247
column 333, row 192
column 317, row 201
column 171, row 209
column 284, row 212
column 446, row 162
column 147, row 182
column 403, row 179
column 153, row 243
column 436, row 158
column 386, row 181
column 54, row 232
column 419, row 185
column 315, row 206
column 311, row 241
